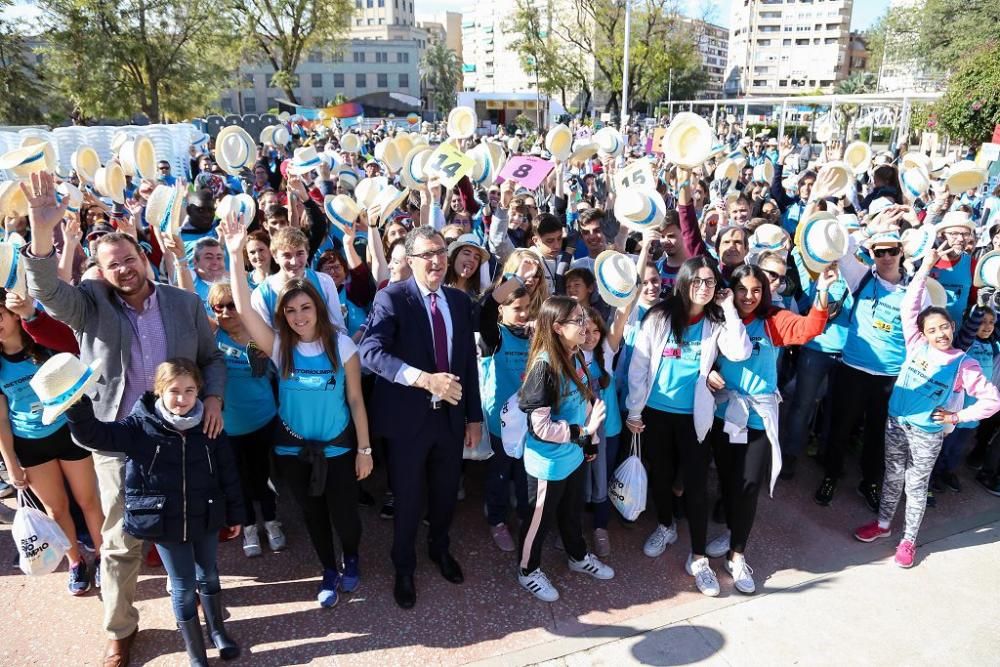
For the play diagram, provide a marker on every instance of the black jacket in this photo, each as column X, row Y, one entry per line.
column 179, row 486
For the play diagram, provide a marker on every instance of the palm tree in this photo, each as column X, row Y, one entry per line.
column 858, row 83
column 440, row 73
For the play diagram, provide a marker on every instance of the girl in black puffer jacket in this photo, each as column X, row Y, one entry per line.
column 181, row 487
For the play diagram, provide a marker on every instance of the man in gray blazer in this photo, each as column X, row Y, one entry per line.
column 132, row 325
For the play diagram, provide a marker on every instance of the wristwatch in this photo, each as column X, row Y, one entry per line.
column 367, row 451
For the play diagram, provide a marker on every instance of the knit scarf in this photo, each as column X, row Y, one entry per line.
column 181, row 422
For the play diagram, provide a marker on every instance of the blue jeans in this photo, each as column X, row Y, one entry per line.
column 811, row 375
column 503, row 469
column 189, row 564
column 602, row 510
column 955, row 445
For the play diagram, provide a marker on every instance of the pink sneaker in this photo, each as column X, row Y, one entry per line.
column 906, row 552
column 871, row 532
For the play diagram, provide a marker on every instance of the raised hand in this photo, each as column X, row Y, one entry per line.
column 15, row 303
column 44, row 212
column 72, row 233
column 724, row 297
column 233, row 234
column 827, row 278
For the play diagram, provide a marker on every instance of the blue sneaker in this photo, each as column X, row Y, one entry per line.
column 328, row 589
column 79, row 580
column 352, row 575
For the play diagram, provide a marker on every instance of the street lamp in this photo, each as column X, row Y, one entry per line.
column 628, row 35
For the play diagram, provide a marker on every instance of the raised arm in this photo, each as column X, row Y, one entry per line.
column 235, row 236
column 90, row 433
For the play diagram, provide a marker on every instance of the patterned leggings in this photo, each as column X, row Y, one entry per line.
column 910, row 453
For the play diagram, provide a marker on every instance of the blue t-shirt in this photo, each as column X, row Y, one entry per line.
column 982, row 351
column 553, row 462
column 312, row 400
column 24, row 408
column 834, row 335
column 957, row 283
column 249, row 401
column 625, row 356
column 875, row 329
column 354, row 316
column 613, row 420
column 755, row 376
column 501, row 374
column 677, row 375
column 921, row 387
column 790, row 218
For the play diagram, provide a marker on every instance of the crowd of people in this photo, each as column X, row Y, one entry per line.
column 329, row 304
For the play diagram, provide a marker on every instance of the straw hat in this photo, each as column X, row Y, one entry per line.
column 346, row 175
column 462, row 123
column 468, row 241
column 617, row 278
column 914, row 182
column 937, row 166
column 165, row 209
column 824, row 132
column 368, row 189
column 640, row 209
column 350, row 143
column 915, row 159
column 85, row 163
column 688, row 140
column 387, row 201
column 67, row 190
column 304, row 160
column 390, row 154
column 404, row 144
column 559, row 142
column 964, row 175
column 110, row 182
column 955, row 219
column 412, row 171
column 768, row 237
column 12, row 276
column 498, row 158
column 583, row 150
column 12, row 200
column 235, row 149
column 858, row 156
column 280, row 136
column 936, row 293
column 917, row 240
column 482, row 171
column 267, row 135
column 514, row 144
column 609, row 141
column 822, row 240
column 242, row 204
column 842, row 181
column 61, row 382
column 884, row 240
column 138, row 158
column 27, row 160
column 118, row 140
column 764, row 171
column 849, row 221
column 728, row 168
column 341, row 210
column 988, row 270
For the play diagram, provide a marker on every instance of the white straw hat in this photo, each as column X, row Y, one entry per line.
column 955, row 219
column 67, row 190
column 346, row 175
column 350, row 143
column 368, row 189
column 858, row 156
column 583, row 150
column 412, row 171
column 936, row 293
column 404, row 144
column 914, row 183
column 110, row 182
column 769, row 237
column 12, row 275
column 462, row 123
column 61, row 382
column 559, row 142
column 617, row 278
column 728, row 168
column 387, row 201
column 842, row 181
column 609, row 141
column 915, row 159
column 469, row 241
column 964, row 175
column 764, row 171
column 822, row 240
column 85, row 163
column 165, row 209
column 341, row 210
column 917, row 240
column 26, row 160
column 988, row 270
column 235, row 149
column 390, row 155
column 138, row 158
column 824, row 132
column 267, row 136
column 304, row 160
column 280, row 136
column 640, row 209
column 688, row 140
column 12, row 199
column 243, row 205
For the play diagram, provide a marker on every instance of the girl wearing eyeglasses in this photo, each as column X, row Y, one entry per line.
column 745, row 434
column 248, row 411
column 669, row 400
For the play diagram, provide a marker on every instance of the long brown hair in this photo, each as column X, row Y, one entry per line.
column 288, row 339
column 38, row 354
column 554, row 311
column 605, row 378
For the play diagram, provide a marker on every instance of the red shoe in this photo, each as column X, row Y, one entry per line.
column 871, row 532
column 153, row 558
column 906, row 553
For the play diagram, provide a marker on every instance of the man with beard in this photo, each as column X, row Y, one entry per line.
column 121, row 320
column 671, row 252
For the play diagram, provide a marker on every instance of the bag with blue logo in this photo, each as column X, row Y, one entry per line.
column 41, row 543
column 627, row 489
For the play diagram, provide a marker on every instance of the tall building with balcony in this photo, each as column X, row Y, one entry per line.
column 786, row 47
column 713, row 45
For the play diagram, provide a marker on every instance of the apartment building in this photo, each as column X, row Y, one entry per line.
column 713, row 45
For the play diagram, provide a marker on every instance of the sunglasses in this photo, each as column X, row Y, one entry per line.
column 882, row 252
column 219, row 308
column 773, row 276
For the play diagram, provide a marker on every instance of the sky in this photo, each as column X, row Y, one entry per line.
column 865, row 11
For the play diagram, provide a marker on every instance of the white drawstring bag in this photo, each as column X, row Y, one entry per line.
column 41, row 543
column 513, row 427
column 483, row 449
column 627, row 489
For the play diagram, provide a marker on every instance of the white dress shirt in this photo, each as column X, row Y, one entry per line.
column 407, row 374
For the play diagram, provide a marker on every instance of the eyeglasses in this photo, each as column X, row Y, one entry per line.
column 710, row 283
column 882, row 252
column 430, row 254
column 579, row 321
column 218, row 308
column 772, row 275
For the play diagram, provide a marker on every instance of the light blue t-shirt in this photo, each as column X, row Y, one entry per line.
column 501, row 374
column 755, row 376
column 790, row 218
column 957, row 283
column 613, row 420
column 677, row 375
column 832, row 340
column 875, row 340
column 921, row 387
column 553, row 462
column 312, row 400
column 983, row 352
column 354, row 316
column 24, row 408
column 249, row 401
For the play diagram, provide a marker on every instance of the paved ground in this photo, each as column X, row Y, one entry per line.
column 820, row 595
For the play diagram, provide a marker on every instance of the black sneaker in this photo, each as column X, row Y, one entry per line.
column 990, row 482
column 788, row 463
column 365, row 499
column 79, row 578
column 388, row 507
column 950, row 480
column 824, row 494
column 870, row 492
column 931, row 499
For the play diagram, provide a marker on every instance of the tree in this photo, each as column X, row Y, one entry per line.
column 282, row 31
column 940, row 33
column 441, row 73
column 858, row 83
column 113, row 59
column 23, row 95
column 970, row 107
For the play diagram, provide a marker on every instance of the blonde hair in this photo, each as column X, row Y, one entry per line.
column 219, row 292
column 541, row 292
column 171, row 369
column 288, row 238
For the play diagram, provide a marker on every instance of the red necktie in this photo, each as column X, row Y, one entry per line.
column 440, row 336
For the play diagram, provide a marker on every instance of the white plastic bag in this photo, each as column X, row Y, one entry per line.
column 627, row 489
column 483, row 449
column 41, row 543
column 513, row 427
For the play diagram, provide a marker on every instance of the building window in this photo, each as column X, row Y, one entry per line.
column 402, row 57
column 248, row 81
column 381, row 57
column 383, row 80
column 272, row 103
column 360, row 80
column 317, row 80
column 249, row 104
column 404, row 80
column 338, row 57
column 359, row 56
column 371, row 4
column 357, row 4
column 338, row 80
column 381, row 3
column 315, row 56
column 227, row 104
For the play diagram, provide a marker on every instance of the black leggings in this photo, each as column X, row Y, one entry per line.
column 559, row 502
column 855, row 393
column 669, row 434
column 338, row 505
column 742, row 468
column 253, row 459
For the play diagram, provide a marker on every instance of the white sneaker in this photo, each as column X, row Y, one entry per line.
column 718, row 547
column 590, row 565
column 659, row 539
column 704, row 577
column 742, row 574
column 251, row 542
column 275, row 536
column 538, row 585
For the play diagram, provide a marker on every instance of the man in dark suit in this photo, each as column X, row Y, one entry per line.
column 426, row 404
